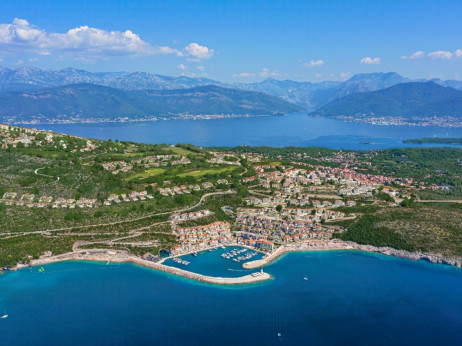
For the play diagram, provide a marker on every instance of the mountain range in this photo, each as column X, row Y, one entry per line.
column 307, row 95
column 28, row 92
column 84, row 101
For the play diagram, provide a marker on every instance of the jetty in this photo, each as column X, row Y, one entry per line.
column 104, row 255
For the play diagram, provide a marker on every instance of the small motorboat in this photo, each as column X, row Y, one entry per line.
column 305, row 278
column 4, row 315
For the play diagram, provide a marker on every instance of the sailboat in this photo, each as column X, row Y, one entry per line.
column 305, row 277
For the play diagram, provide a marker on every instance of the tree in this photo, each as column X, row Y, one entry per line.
column 279, row 208
column 408, row 202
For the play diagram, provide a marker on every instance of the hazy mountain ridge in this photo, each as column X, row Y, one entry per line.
column 305, row 94
column 95, row 101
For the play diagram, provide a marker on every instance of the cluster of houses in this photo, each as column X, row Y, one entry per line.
column 351, row 183
column 252, row 157
column 178, row 190
column 133, row 196
column 117, row 166
column 14, row 136
column 200, row 237
column 291, row 225
column 149, row 161
column 189, row 216
column 31, row 201
column 220, row 158
column 435, row 187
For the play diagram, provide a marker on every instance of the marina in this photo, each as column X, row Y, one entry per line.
column 181, row 261
column 212, row 261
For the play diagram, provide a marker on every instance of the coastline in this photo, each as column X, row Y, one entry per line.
column 104, row 255
column 132, row 120
column 337, row 244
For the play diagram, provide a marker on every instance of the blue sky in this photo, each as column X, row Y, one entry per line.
column 238, row 41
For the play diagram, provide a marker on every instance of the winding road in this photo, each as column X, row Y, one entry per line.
column 44, row 175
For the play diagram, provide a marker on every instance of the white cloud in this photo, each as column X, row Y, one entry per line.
column 201, row 68
column 318, row 75
column 243, row 75
column 1, row 59
column 33, row 59
column 265, row 73
column 21, row 36
column 196, row 51
column 314, row 63
column 181, row 67
column 415, row 55
column 370, row 61
column 344, row 74
column 458, row 53
column 440, row 54
column 19, row 62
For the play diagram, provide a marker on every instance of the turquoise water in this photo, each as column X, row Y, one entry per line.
column 290, row 130
column 350, row 298
column 211, row 263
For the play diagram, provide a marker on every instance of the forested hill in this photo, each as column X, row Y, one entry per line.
column 406, row 99
column 94, row 101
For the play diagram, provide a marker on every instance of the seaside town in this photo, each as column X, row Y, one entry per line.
column 294, row 198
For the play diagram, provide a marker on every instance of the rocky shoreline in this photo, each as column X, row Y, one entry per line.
column 337, row 244
column 433, row 258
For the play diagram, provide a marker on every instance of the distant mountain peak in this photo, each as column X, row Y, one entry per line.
column 413, row 99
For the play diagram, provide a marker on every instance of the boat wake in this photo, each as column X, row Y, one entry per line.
column 237, row 270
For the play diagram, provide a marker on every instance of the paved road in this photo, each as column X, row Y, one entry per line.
column 440, row 201
column 125, row 221
column 44, row 175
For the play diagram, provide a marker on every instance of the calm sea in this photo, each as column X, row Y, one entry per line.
column 278, row 131
column 350, row 298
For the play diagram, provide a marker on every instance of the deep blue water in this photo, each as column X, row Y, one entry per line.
column 351, row 298
column 211, row 263
column 289, row 130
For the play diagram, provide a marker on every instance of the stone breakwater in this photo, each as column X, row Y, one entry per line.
column 343, row 245
column 122, row 257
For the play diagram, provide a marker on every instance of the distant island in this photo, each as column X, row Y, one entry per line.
column 435, row 140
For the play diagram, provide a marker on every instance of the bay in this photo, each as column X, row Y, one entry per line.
column 276, row 131
column 350, row 297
